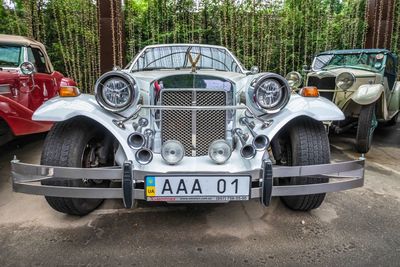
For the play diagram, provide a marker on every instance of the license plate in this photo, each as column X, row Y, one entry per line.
column 197, row 188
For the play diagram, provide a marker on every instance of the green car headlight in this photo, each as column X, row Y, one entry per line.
column 345, row 80
column 294, row 79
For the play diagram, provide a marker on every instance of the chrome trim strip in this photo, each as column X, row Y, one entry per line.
column 190, row 107
column 337, row 169
column 132, row 63
column 25, row 178
column 194, row 128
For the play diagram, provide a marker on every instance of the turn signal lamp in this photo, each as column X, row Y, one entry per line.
column 69, row 91
column 309, row 91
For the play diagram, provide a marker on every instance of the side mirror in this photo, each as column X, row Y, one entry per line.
column 27, row 68
column 254, row 70
column 306, row 68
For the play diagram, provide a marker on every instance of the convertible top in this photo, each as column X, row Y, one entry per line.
column 19, row 40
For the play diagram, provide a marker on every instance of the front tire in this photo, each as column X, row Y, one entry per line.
column 365, row 129
column 306, row 144
column 73, row 144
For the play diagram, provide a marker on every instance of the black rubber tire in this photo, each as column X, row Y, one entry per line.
column 5, row 132
column 393, row 121
column 365, row 130
column 64, row 146
column 308, row 144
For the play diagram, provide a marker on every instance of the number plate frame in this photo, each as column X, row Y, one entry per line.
column 244, row 188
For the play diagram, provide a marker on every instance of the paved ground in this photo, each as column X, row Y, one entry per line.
column 358, row 228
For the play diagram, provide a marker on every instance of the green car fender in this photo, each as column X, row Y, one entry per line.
column 367, row 93
column 394, row 102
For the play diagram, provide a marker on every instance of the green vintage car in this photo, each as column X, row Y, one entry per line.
column 362, row 83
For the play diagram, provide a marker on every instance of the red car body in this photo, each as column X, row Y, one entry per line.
column 21, row 95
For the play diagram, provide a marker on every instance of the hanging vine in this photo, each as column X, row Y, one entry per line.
column 276, row 35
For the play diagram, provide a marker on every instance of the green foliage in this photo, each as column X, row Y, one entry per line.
column 276, row 35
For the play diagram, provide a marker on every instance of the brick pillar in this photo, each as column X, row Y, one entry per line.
column 112, row 42
column 380, row 23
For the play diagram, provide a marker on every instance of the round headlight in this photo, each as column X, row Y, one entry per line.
column 345, row 80
column 294, row 79
column 219, row 151
column 116, row 91
column 271, row 92
column 172, row 151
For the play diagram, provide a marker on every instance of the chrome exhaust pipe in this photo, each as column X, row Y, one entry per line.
column 247, row 151
column 260, row 141
column 137, row 140
column 144, row 155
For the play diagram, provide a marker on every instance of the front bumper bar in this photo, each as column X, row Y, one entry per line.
column 26, row 179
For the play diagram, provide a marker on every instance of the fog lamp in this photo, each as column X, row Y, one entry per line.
column 172, row 151
column 219, row 151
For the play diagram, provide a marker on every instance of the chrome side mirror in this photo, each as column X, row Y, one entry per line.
column 306, row 68
column 254, row 70
column 27, row 68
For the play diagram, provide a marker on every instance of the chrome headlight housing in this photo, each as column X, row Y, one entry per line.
column 294, row 79
column 116, row 91
column 345, row 80
column 269, row 92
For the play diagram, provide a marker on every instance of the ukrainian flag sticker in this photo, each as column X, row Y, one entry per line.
column 150, row 186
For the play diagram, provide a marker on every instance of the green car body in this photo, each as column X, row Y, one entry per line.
column 357, row 80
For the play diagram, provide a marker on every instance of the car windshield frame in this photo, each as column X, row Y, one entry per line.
column 11, row 64
column 178, row 54
column 354, row 66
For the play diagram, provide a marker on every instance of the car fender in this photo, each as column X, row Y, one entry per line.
column 64, row 108
column 368, row 94
column 319, row 109
column 19, row 118
column 394, row 102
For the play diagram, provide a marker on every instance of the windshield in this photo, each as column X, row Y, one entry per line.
column 367, row 61
column 180, row 57
column 10, row 56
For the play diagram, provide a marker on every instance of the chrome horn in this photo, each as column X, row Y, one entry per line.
column 247, row 151
column 137, row 140
column 260, row 141
column 144, row 155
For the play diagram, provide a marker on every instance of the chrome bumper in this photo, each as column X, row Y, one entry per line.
column 26, row 179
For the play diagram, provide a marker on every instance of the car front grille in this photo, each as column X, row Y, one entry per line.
column 196, row 130
column 327, row 83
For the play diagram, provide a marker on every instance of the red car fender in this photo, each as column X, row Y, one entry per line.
column 19, row 118
column 67, row 82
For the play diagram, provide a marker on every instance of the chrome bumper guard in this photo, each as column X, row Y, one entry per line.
column 26, row 179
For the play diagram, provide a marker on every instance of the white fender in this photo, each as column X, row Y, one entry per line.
column 61, row 109
column 320, row 109
column 367, row 94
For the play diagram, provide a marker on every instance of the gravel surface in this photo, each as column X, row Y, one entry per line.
column 353, row 228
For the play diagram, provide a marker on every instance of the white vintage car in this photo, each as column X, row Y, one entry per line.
column 186, row 123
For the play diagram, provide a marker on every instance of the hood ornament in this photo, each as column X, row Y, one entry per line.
column 193, row 62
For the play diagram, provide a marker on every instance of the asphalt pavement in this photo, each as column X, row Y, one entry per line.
column 359, row 227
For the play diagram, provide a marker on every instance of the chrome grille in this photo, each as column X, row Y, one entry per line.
column 194, row 129
column 323, row 83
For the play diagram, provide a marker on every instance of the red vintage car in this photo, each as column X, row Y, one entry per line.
column 27, row 79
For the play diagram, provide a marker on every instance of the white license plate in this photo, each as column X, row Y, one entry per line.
column 197, row 188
